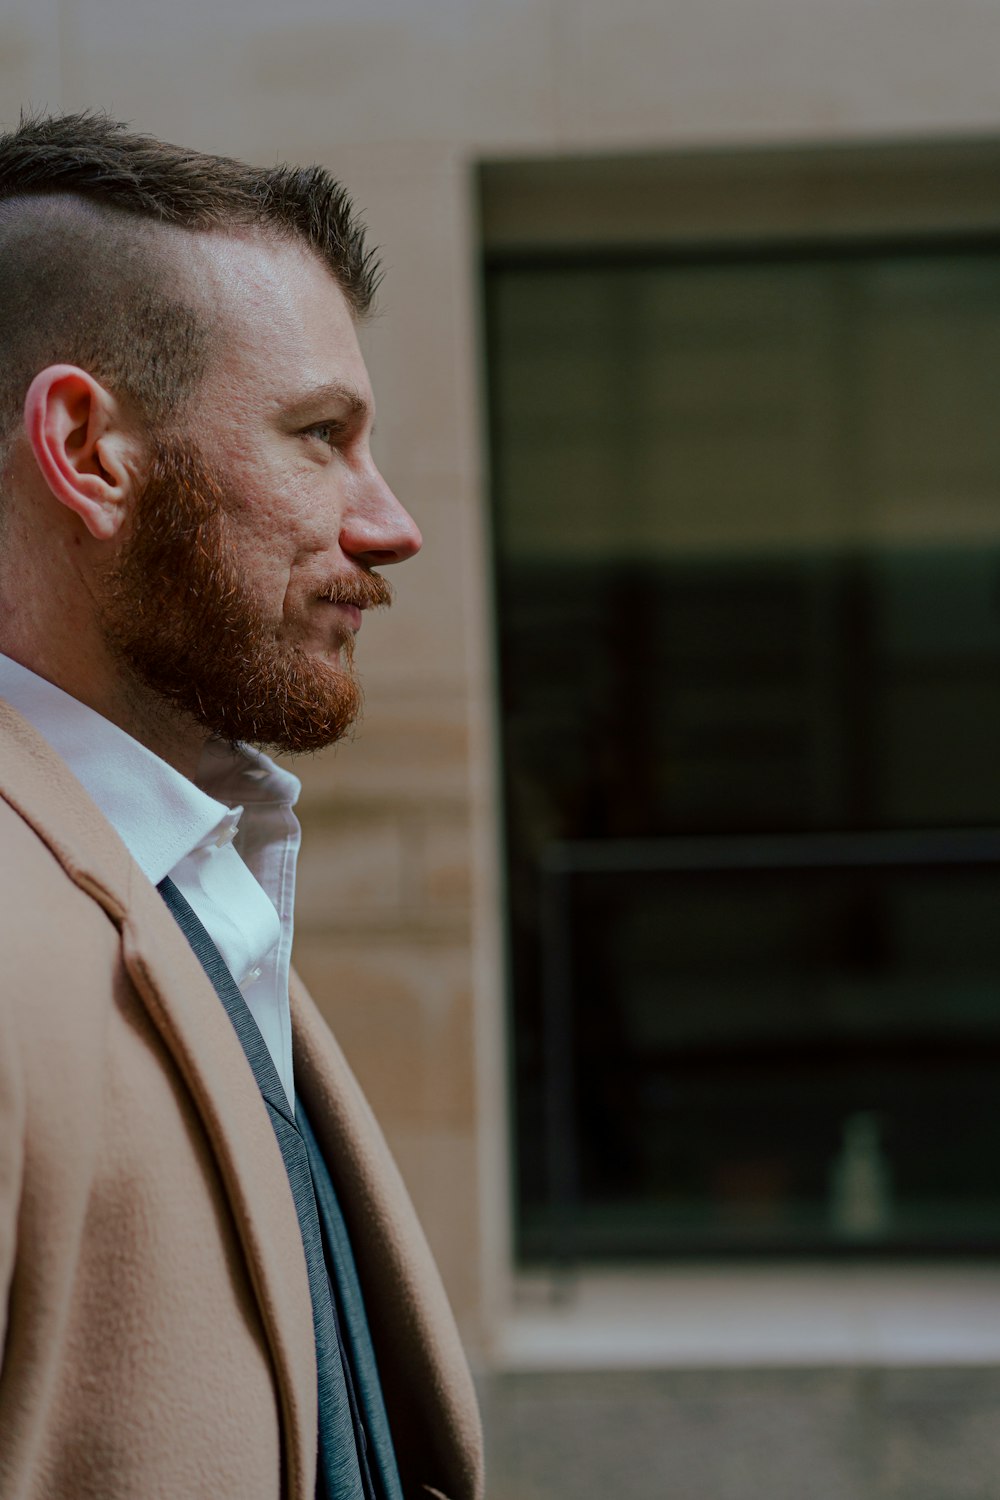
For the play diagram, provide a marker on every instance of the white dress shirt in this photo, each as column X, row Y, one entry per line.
column 228, row 840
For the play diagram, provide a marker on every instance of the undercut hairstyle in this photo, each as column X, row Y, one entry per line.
column 92, row 223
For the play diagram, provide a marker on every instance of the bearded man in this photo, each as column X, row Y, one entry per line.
column 211, row 1280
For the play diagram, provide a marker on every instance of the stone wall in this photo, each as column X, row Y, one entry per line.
column 840, row 1434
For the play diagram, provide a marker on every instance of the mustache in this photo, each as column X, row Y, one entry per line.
column 363, row 590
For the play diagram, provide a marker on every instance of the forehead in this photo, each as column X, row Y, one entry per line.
column 285, row 325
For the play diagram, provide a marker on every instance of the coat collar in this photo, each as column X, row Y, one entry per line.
column 195, row 1029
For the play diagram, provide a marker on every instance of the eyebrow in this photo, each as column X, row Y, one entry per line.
column 321, row 397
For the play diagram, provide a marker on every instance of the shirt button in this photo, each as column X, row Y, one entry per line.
column 226, row 833
column 252, row 974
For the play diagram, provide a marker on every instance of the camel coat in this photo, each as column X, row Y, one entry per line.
column 155, row 1322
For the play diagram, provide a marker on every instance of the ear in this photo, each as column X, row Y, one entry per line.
column 84, row 449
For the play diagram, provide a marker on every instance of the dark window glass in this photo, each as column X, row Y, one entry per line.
column 747, row 537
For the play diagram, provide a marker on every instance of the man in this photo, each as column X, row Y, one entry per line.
column 211, row 1280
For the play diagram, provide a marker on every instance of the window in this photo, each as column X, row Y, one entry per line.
column 747, row 541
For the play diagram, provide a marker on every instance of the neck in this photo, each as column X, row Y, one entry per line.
column 111, row 693
column 49, row 623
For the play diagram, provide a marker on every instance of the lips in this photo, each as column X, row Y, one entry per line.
column 350, row 613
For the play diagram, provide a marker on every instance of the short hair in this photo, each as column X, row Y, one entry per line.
column 88, row 277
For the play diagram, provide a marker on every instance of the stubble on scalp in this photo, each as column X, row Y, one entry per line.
column 185, row 623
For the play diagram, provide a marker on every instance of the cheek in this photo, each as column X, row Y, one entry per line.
column 282, row 553
column 280, row 511
column 276, row 522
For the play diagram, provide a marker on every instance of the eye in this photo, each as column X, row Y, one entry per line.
column 325, row 432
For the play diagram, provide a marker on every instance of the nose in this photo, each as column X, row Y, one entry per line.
column 379, row 530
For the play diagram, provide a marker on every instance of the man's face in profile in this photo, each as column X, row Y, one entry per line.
column 240, row 588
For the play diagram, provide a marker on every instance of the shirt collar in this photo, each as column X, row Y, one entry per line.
column 159, row 815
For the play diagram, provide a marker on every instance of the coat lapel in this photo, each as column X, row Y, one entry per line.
column 425, row 1378
column 207, row 1053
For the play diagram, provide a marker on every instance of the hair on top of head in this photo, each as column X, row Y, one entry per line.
column 90, row 154
column 88, row 279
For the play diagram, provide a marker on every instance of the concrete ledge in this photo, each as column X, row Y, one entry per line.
column 722, row 1317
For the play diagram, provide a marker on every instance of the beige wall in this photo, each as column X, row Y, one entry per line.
column 399, row 919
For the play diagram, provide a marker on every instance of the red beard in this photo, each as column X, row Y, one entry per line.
column 179, row 613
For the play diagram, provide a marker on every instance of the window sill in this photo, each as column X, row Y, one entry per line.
column 753, row 1316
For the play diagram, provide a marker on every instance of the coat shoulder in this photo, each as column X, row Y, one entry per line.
column 52, row 930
